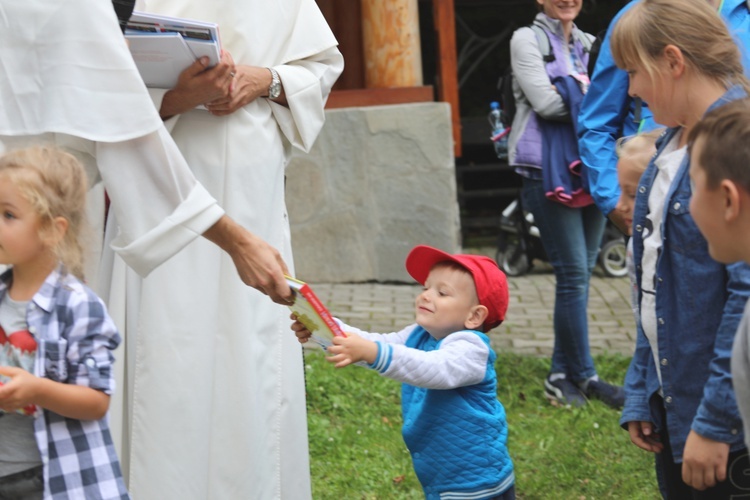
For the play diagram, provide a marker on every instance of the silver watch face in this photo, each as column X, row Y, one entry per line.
column 274, row 90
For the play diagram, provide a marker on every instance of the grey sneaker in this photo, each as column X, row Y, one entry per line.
column 611, row 395
column 564, row 392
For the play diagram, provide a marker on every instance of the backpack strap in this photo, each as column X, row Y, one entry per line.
column 585, row 41
column 542, row 39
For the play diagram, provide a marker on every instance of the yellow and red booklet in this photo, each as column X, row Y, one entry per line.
column 311, row 312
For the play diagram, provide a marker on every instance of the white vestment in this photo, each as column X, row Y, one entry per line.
column 67, row 78
column 215, row 381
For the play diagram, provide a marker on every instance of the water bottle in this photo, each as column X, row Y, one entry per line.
column 499, row 133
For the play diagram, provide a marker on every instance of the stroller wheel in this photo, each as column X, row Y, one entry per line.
column 612, row 258
column 511, row 256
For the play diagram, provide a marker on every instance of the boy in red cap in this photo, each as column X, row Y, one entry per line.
column 454, row 426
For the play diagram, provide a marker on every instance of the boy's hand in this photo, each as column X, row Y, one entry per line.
column 643, row 436
column 704, row 461
column 20, row 391
column 300, row 330
column 352, row 349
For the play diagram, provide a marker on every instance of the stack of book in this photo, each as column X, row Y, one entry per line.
column 164, row 46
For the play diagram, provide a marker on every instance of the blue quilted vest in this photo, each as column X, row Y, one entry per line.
column 458, row 437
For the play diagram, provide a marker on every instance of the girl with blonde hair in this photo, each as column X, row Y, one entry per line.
column 682, row 61
column 56, row 338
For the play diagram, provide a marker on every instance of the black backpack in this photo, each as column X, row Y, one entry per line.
column 505, row 84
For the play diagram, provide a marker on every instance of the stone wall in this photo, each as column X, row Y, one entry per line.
column 378, row 181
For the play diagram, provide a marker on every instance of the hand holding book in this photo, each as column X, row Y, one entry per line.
column 164, row 46
column 352, row 349
column 314, row 321
column 198, row 85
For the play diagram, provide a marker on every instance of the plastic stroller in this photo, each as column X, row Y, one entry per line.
column 519, row 244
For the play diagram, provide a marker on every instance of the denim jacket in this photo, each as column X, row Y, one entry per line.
column 699, row 304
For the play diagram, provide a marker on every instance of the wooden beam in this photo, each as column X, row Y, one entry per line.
column 345, row 19
column 379, row 97
column 390, row 34
column 447, row 62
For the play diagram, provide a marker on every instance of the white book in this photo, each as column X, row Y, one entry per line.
column 201, row 37
column 160, row 57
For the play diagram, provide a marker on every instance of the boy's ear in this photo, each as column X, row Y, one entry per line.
column 476, row 317
column 731, row 194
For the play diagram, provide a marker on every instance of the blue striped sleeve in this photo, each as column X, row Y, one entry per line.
column 384, row 357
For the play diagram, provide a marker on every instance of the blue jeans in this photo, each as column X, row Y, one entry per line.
column 571, row 237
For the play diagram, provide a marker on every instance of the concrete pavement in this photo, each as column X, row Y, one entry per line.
column 527, row 329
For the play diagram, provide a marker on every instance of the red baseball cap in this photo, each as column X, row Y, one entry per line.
column 489, row 280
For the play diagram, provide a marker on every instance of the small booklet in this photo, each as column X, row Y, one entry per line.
column 158, row 56
column 313, row 314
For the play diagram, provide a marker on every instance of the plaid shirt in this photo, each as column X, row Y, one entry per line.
column 75, row 339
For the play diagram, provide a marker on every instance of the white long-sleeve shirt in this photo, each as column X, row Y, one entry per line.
column 461, row 359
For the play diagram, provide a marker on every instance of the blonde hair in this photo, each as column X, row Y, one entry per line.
column 643, row 32
column 639, row 148
column 55, row 185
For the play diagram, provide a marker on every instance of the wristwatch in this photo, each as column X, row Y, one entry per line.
column 274, row 91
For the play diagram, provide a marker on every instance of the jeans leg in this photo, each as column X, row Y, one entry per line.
column 594, row 224
column 571, row 237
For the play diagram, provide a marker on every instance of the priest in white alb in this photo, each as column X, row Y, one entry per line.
column 216, row 396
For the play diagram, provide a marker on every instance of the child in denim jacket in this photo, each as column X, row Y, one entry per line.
column 679, row 399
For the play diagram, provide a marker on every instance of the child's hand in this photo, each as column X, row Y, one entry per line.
column 643, row 436
column 20, row 391
column 704, row 461
column 300, row 330
column 352, row 349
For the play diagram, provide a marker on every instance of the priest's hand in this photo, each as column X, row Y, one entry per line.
column 250, row 83
column 198, row 85
column 259, row 264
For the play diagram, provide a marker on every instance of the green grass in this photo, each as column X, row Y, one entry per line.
column 356, row 450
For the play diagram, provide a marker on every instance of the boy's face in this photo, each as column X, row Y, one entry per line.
column 628, row 175
column 446, row 302
column 708, row 208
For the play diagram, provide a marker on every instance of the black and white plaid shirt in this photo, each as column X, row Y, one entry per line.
column 75, row 339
